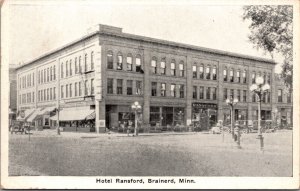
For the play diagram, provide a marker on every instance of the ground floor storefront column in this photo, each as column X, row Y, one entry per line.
column 100, row 116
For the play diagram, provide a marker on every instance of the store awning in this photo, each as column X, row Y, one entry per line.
column 74, row 114
column 46, row 110
column 32, row 117
column 23, row 115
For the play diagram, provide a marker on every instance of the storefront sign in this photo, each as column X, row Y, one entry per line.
column 205, row 105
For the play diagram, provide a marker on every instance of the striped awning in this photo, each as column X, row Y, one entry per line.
column 32, row 117
column 75, row 114
column 27, row 113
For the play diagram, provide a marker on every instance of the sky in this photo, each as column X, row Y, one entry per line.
column 38, row 27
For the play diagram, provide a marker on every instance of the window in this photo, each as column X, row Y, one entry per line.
column 76, row 65
column 269, row 98
column 173, row 90
column 225, row 75
column 181, row 69
column 79, row 88
column 138, row 64
column 92, row 87
column 54, row 73
column 75, row 86
column 181, row 91
column 33, row 79
column 208, row 93
column 244, row 95
column 44, row 95
column 39, row 95
column 225, row 93
column 67, row 68
column 238, row 76
column 279, row 95
column 163, row 89
column 194, row 92
column 153, row 66
column 92, row 60
column 129, row 63
column 201, row 94
column 85, row 63
column 173, row 68
column 289, row 97
column 239, row 95
column 208, row 73
column 232, row 93
column 110, row 85
column 47, row 94
column 51, row 73
column 119, row 62
column 231, row 79
column 32, row 96
column 119, row 86
column 129, row 87
column 54, row 93
column 154, row 88
column 67, row 90
column 86, row 92
column 163, row 67
column 71, row 90
column 44, row 75
column 62, row 92
column 201, row 72
column 253, row 77
column 244, row 77
column 194, row 71
column 71, row 68
column 79, row 65
column 39, row 78
column 110, row 62
column 61, row 71
column 139, row 88
column 50, row 93
column 47, row 74
column 214, row 93
column 214, row 73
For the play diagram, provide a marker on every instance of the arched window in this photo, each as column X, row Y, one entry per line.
column 54, row 73
column 76, row 66
column 181, row 69
column 79, row 64
column 195, row 70
column 129, row 62
column 207, row 71
column 51, row 74
column 225, row 75
column 238, row 76
column 244, row 77
column 214, row 73
column 119, row 62
column 231, row 75
column 85, row 63
column 201, row 71
column 92, row 60
column 109, row 58
column 163, row 66
column 173, row 68
column 154, row 66
column 138, row 63
column 253, row 77
column 71, row 67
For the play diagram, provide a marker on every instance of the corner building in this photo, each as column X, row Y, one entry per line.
column 102, row 74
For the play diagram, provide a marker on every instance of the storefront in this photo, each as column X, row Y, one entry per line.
column 166, row 116
column 204, row 115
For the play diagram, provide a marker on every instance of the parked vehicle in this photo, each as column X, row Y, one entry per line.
column 17, row 127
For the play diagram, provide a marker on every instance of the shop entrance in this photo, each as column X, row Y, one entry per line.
column 204, row 115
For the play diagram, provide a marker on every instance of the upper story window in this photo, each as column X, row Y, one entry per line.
column 225, row 75
column 119, row 62
column 51, row 74
column 154, row 89
column 110, row 86
column 244, row 95
column 265, row 77
column 92, row 60
column 139, row 88
column 110, row 60
column 138, row 64
column 163, row 89
column 61, row 71
column 173, row 68
column 33, row 79
column 244, row 77
column 79, row 64
column 67, row 68
column 154, row 66
column 208, row 73
column 163, row 67
column 231, row 75
column 201, row 72
column 71, row 90
column 288, row 98
column 86, row 92
column 181, row 69
column 54, row 73
column 207, row 92
column 47, row 74
column 85, row 63
column 239, row 95
column 214, row 93
column 119, row 86
column 181, row 91
column 232, row 93
column 71, row 68
column 67, row 90
column 238, row 76
column 75, row 89
column 269, row 79
column 194, row 71
column 253, row 77
column 225, row 94
column 129, row 87
column 76, row 65
column 214, row 73
column 129, row 62
column 279, row 95
column 92, row 87
column 194, row 92
column 79, row 88
column 173, row 90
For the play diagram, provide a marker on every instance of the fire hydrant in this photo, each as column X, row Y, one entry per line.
column 237, row 135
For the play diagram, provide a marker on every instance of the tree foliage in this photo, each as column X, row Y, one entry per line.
column 272, row 30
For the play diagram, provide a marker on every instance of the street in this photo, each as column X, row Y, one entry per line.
column 186, row 154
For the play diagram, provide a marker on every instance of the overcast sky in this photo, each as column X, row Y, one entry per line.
column 36, row 28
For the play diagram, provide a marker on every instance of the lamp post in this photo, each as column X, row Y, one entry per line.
column 259, row 88
column 135, row 106
column 231, row 102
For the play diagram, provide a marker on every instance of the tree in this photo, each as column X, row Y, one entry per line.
column 272, row 30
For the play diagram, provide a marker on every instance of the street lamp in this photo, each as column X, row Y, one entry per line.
column 259, row 88
column 135, row 106
column 231, row 102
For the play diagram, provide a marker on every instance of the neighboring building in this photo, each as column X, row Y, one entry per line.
column 283, row 113
column 12, row 90
column 99, row 76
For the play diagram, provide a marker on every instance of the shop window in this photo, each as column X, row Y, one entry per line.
column 194, row 71
column 154, row 116
column 92, row 60
column 163, row 67
column 238, row 76
column 231, row 77
column 173, row 68
column 139, row 88
column 181, row 69
column 163, row 90
column 207, row 92
column 154, row 66
column 179, row 116
column 119, row 62
column 201, row 72
column 119, row 86
column 138, row 64
column 201, row 94
column 129, row 87
column 154, row 89
column 194, row 92
column 208, row 73
column 225, row 75
column 173, row 90
column 279, row 95
column 92, row 87
column 181, row 91
column 214, row 73
column 214, row 93
column 129, row 62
